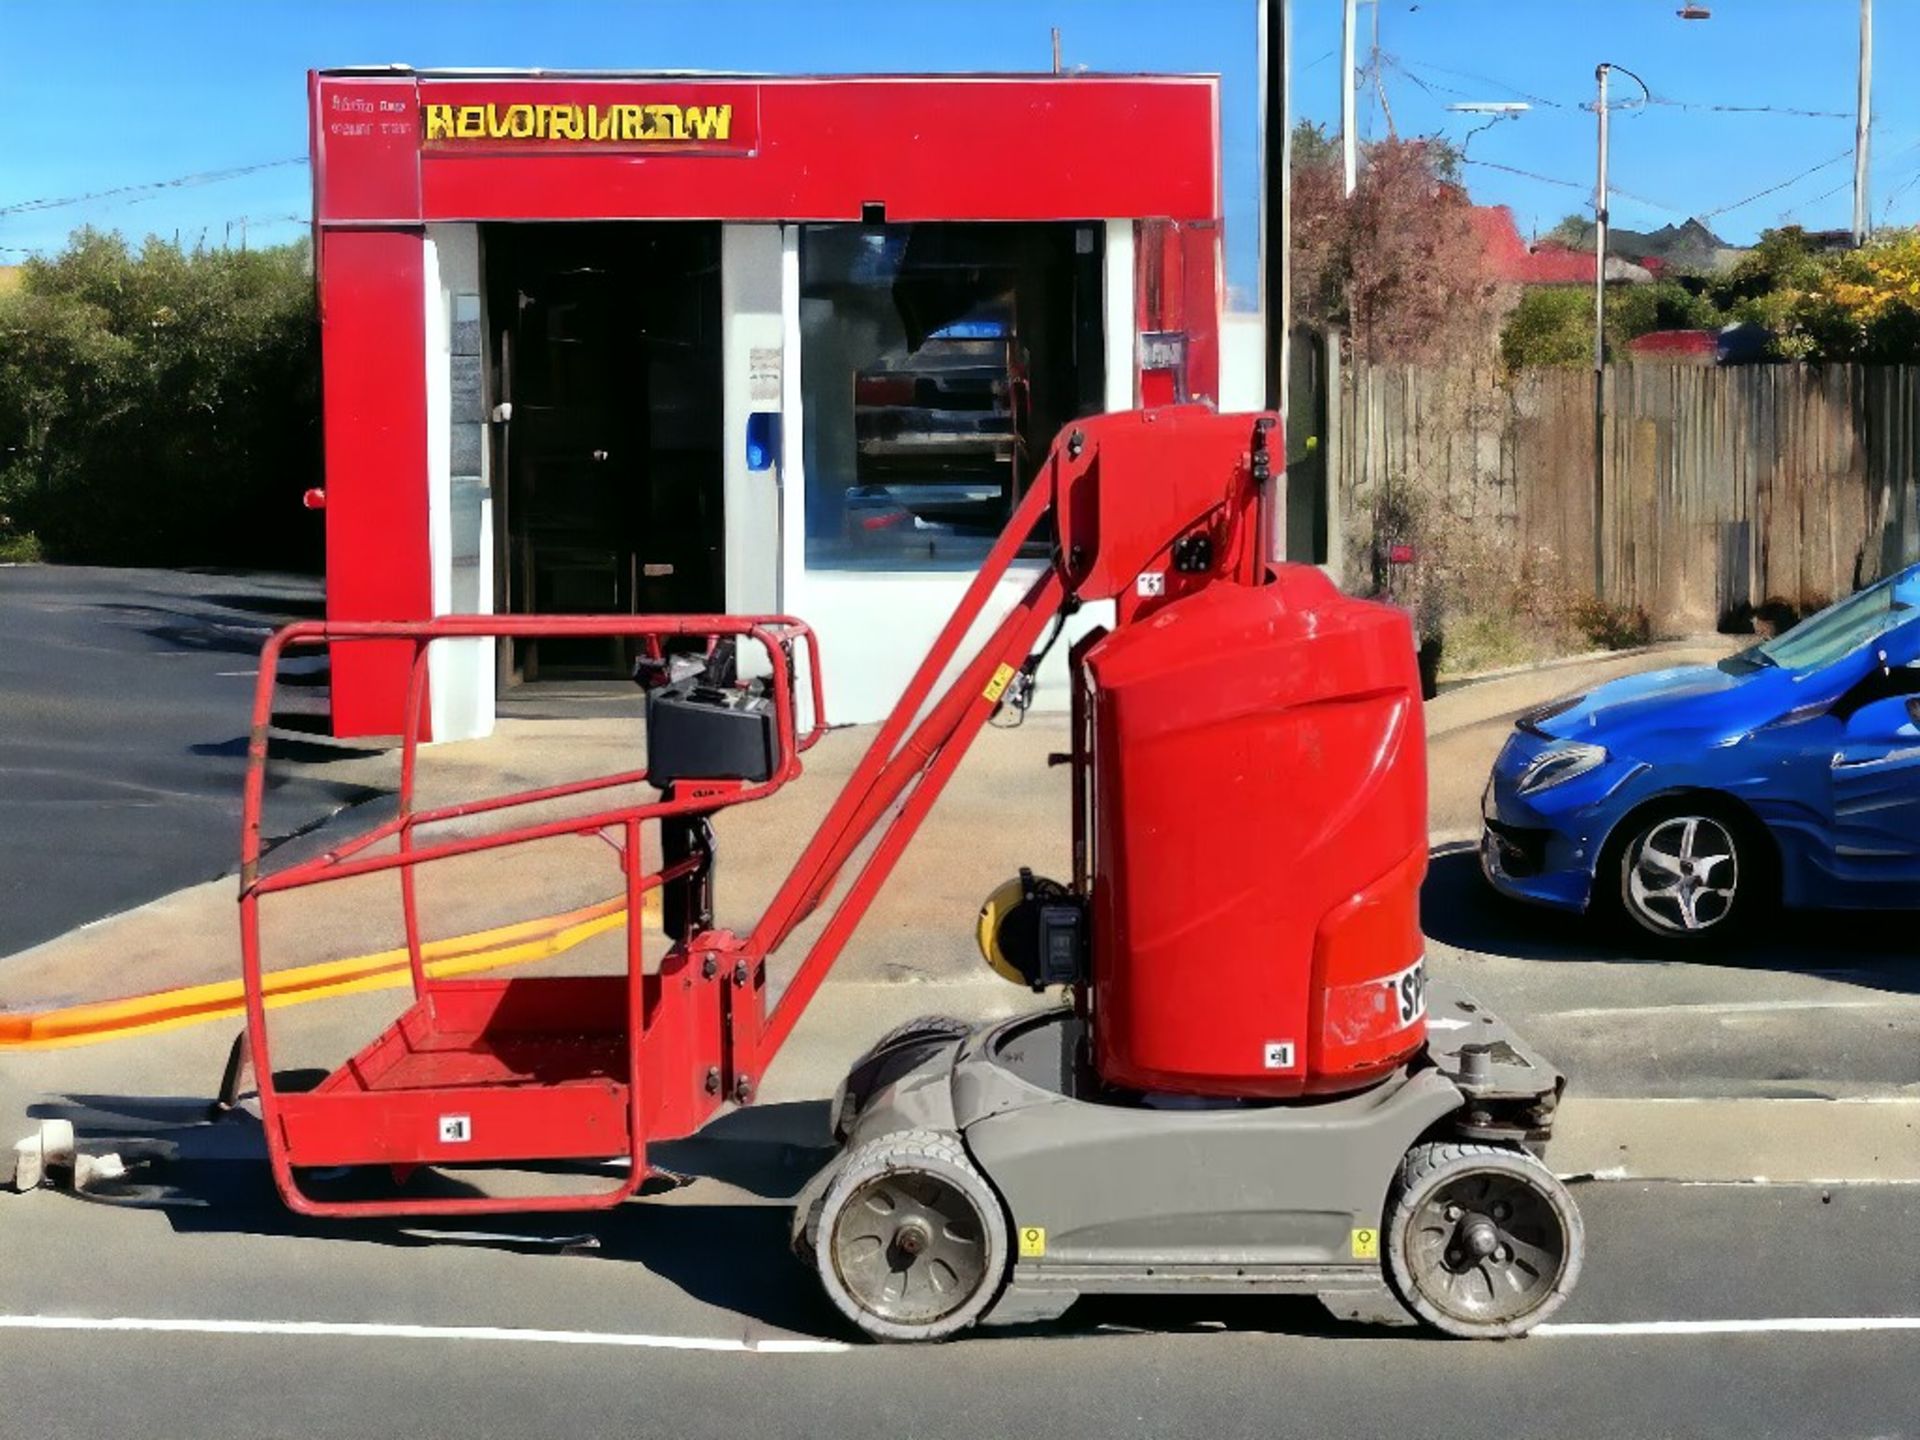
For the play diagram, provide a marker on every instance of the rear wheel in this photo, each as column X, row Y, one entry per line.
column 911, row 1241
column 1688, row 872
column 1483, row 1242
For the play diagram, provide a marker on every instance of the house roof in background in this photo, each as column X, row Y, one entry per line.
column 1516, row 263
column 1690, row 247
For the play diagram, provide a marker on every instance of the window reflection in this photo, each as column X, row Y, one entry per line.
column 937, row 363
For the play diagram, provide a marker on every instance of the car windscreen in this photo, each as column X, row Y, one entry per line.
column 1839, row 630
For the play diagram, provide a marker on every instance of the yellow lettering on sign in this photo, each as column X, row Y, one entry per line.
column 663, row 122
column 591, row 123
column 710, row 122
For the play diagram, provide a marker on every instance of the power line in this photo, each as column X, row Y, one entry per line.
column 1577, row 185
column 1666, row 100
column 204, row 177
column 1791, row 180
column 1751, row 109
column 1497, row 84
column 1823, row 195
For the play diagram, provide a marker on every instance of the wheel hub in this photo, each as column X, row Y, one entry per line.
column 1682, row 874
column 1479, row 1237
column 910, row 1248
column 1486, row 1247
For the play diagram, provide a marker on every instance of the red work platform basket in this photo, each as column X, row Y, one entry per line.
column 532, row 1068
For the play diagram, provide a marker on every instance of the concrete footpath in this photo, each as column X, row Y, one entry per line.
column 1790, row 1066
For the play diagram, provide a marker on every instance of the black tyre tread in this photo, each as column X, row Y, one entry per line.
column 921, row 1025
column 900, row 1150
column 1425, row 1160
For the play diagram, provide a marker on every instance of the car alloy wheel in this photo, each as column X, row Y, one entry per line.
column 1681, row 875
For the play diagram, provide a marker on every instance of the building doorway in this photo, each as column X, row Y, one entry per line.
column 606, row 342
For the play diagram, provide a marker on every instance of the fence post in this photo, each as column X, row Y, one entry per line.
column 1334, row 462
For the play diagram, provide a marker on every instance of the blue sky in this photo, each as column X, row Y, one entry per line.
column 95, row 95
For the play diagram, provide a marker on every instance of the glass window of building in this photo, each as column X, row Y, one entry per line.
column 938, row 362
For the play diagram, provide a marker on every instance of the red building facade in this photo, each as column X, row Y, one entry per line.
column 664, row 343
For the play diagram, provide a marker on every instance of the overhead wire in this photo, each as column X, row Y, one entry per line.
column 1751, row 109
column 203, row 177
column 1586, row 186
column 1782, row 185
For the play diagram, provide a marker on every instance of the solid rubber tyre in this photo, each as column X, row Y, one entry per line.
column 1449, row 1197
column 911, row 1185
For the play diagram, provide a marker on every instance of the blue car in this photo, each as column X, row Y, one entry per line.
column 1689, row 800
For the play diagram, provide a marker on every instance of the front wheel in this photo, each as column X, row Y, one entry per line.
column 1686, row 874
column 1483, row 1242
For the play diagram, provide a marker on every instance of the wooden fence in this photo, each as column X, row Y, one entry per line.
column 1724, row 486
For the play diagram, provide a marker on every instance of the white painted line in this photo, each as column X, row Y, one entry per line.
column 352, row 1330
column 1798, row 1325
column 1722, row 1007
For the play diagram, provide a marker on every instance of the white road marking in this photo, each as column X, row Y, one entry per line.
column 1722, row 1007
column 353, row 1330
column 1783, row 1325
column 796, row 1345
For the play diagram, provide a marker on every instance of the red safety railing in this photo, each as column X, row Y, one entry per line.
column 324, row 1119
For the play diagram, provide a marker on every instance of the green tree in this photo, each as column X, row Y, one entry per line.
column 161, row 407
column 1575, row 232
column 1553, row 324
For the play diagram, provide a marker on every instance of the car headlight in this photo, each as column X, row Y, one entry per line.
column 1560, row 763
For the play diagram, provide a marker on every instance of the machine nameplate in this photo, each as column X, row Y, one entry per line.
column 1407, row 991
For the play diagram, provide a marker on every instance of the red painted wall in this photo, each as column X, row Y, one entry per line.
column 1144, row 148
column 373, row 369
column 812, row 148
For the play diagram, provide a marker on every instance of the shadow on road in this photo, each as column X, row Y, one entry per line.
column 1875, row 949
column 210, row 1177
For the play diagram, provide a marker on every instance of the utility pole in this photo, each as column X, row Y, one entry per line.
column 1276, row 211
column 1600, row 339
column 1863, row 125
column 1056, row 49
column 1349, row 139
column 1600, row 74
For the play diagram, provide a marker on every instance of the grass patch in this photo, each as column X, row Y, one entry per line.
column 19, row 550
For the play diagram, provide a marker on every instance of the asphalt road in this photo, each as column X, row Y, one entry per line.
column 709, row 1269
column 124, row 698
column 197, row 1306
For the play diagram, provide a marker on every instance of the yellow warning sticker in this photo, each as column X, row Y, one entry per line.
column 996, row 687
column 1033, row 1241
column 1366, row 1244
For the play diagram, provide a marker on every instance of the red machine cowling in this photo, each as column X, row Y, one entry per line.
column 1259, row 838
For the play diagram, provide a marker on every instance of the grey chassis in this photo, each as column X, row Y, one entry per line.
column 986, row 1177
